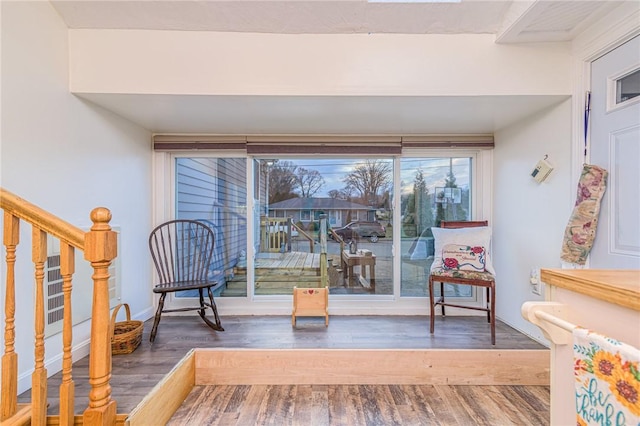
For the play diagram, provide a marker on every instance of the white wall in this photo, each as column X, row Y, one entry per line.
column 209, row 63
column 529, row 218
column 67, row 156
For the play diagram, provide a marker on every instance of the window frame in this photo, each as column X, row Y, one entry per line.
column 164, row 208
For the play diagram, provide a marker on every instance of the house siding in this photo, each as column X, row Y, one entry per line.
column 213, row 190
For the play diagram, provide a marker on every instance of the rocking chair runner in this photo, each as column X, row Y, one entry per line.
column 475, row 279
column 182, row 251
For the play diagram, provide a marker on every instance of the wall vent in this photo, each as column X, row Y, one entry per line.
column 82, row 293
column 55, row 298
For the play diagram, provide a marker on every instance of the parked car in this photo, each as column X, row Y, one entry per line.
column 358, row 229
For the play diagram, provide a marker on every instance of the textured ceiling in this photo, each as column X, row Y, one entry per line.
column 311, row 17
column 517, row 21
column 550, row 20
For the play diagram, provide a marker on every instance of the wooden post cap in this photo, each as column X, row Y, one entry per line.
column 100, row 216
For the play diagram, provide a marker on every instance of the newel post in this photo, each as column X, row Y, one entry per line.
column 100, row 248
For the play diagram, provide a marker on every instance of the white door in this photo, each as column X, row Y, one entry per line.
column 615, row 145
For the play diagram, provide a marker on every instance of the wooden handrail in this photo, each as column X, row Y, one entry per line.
column 272, row 241
column 337, row 238
column 306, row 237
column 100, row 248
column 42, row 219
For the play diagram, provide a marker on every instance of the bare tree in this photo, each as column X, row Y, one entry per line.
column 370, row 179
column 309, row 182
column 282, row 181
column 335, row 194
column 341, row 194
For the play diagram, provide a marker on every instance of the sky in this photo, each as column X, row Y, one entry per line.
column 333, row 170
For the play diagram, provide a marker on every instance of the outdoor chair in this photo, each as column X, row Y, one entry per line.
column 182, row 251
column 462, row 256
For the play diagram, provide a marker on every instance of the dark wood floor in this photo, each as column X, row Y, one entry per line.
column 364, row 405
column 135, row 374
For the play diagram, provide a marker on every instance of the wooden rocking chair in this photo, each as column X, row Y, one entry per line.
column 182, row 251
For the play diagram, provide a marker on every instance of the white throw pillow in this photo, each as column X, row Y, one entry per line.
column 478, row 236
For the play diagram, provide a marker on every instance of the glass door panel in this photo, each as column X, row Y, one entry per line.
column 433, row 190
column 354, row 195
column 214, row 191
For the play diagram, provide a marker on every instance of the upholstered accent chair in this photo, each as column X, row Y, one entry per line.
column 462, row 256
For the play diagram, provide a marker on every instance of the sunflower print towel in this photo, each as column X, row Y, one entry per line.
column 581, row 229
column 607, row 380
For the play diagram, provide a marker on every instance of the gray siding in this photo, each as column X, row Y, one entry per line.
column 214, row 190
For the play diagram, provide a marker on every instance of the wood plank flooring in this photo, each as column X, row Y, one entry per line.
column 366, row 405
column 135, row 374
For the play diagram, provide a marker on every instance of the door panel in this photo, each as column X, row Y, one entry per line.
column 615, row 145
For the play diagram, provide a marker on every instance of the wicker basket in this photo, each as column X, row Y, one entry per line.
column 126, row 335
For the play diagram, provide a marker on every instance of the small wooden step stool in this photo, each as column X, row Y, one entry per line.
column 310, row 302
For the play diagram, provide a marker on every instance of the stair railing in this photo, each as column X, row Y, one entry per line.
column 99, row 247
column 276, row 234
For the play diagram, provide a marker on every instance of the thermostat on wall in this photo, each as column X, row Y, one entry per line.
column 542, row 170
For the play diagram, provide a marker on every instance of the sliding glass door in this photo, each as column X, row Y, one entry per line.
column 433, row 190
column 287, row 199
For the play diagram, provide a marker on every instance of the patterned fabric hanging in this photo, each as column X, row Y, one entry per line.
column 581, row 229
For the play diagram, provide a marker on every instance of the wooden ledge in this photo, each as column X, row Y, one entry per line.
column 221, row 366
column 621, row 287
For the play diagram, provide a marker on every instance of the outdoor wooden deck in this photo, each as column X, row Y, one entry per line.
column 298, row 261
column 278, row 272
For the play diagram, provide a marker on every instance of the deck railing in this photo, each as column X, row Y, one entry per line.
column 276, row 234
column 99, row 247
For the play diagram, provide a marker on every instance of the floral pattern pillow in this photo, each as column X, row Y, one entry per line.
column 463, row 257
column 472, row 237
column 581, row 229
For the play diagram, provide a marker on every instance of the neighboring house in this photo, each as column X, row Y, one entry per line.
column 81, row 103
column 306, row 210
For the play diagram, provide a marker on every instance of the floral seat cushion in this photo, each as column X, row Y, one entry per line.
column 455, row 273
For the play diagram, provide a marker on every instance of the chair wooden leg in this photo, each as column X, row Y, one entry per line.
column 493, row 314
column 203, row 313
column 156, row 320
column 489, row 312
column 432, row 304
column 214, row 308
column 442, row 296
column 203, row 307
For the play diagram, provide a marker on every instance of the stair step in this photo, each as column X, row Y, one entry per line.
column 489, row 367
column 237, row 283
column 234, row 292
column 287, row 285
column 278, row 291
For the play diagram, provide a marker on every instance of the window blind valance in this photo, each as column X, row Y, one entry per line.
column 198, row 142
column 319, row 144
column 448, row 141
column 327, row 144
